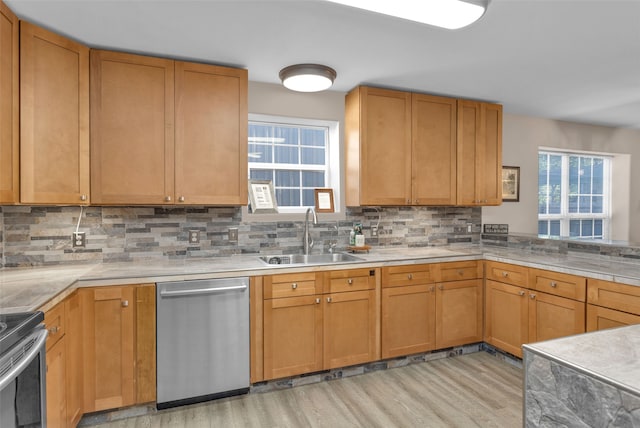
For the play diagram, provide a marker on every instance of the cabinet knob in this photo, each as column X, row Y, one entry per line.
column 83, row 197
column 328, row 299
column 54, row 329
column 432, row 288
column 440, row 287
column 125, row 303
column 350, row 281
column 533, row 296
column 181, row 199
column 521, row 293
column 460, row 272
column 167, row 198
column 554, row 284
column 410, row 276
column 417, row 201
column 317, row 300
column 409, row 201
column 294, row 285
column 505, row 274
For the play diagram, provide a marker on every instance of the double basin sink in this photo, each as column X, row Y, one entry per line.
column 308, row 259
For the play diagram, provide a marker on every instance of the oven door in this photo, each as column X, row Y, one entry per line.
column 22, row 382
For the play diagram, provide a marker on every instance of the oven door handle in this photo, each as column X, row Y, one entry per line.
column 40, row 337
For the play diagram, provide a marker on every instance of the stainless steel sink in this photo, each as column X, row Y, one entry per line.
column 296, row 259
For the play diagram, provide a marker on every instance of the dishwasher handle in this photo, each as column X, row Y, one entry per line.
column 198, row 291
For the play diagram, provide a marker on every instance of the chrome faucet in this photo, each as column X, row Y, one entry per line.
column 306, row 239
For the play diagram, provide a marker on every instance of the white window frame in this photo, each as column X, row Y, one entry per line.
column 331, row 166
column 565, row 216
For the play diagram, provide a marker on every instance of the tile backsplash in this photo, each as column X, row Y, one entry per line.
column 34, row 236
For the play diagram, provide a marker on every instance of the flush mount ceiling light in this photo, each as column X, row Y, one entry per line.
column 307, row 77
column 450, row 14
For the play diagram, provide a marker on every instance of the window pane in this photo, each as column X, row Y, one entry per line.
column 285, row 154
column 585, row 204
column 286, row 135
column 313, row 179
column 260, row 153
column 261, row 174
column 598, row 177
column 574, row 174
column 288, row 197
column 597, row 207
column 287, row 178
column 587, row 228
column 312, row 137
column 573, row 204
column 312, row 156
column 585, row 175
column 597, row 228
column 574, row 228
column 555, row 227
column 543, row 227
column 308, row 197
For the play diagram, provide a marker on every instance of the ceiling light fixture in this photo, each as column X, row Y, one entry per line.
column 307, row 77
column 450, row 14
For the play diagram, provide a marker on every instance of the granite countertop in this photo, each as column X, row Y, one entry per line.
column 26, row 289
column 584, row 353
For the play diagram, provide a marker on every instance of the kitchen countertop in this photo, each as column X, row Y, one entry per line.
column 26, row 289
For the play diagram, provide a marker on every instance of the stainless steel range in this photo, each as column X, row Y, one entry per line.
column 22, row 370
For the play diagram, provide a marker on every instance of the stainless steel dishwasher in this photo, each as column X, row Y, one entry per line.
column 202, row 339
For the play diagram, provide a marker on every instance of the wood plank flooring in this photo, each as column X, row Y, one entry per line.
column 474, row 390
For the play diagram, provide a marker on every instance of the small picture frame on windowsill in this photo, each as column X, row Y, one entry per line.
column 324, row 201
column 262, row 197
column 510, row 184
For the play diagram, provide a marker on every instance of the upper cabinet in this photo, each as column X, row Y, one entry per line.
column 479, row 153
column 165, row 132
column 9, row 107
column 414, row 149
column 54, row 118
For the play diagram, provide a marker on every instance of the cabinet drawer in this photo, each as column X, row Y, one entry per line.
column 507, row 273
column 349, row 280
column 458, row 271
column 54, row 322
column 290, row 285
column 397, row 276
column 621, row 297
column 559, row 284
column 599, row 318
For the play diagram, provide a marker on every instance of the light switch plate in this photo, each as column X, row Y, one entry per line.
column 233, row 234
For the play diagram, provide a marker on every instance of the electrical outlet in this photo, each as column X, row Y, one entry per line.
column 233, row 234
column 194, row 237
column 469, row 227
column 79, row 239
column 374, row 230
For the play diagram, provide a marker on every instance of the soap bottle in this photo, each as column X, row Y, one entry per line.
column 352, row 237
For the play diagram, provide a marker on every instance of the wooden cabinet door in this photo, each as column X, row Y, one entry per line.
column 292, row 336
column 506, row 316
column 479, row 153
column 350, row 328
column 132, row 129
column 74, row 359
column 378, row 147
column 211, row 135
column 9, row 107
column 433, row 135
column 54, row 118
column 145, row 343
column 56, row 390
column 109, row 347
column 551, row 317
column 599, row 318
column 408, row 320
column 458, row 313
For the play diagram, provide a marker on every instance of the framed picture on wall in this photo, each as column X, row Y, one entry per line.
column 510, row 184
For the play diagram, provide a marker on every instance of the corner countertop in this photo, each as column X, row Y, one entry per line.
column 584, row 353
column 40, row 288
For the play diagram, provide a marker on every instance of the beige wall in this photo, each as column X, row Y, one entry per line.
column 522, row 136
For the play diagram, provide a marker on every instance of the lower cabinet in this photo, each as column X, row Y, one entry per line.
column 611, row 304
column 111, row 353
column 599, row 318
column 458, row 313
column 318, row 321
column 56, row 385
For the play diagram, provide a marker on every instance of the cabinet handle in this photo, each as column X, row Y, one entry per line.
column 410, row 276
column 554, row 284
column 294, row 285
column 328, row 299
column 533, row 296
column 505, row 274
column 317, row 300
column 181, row 199
column 521, row 293
column 349, row 281
column 125, row 303
column 83, row 197
column 54, row 329
column 167, row 198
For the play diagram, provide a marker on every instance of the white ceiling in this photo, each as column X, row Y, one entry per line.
column 574, row 60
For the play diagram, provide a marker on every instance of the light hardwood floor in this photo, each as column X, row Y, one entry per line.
column 475, row 390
